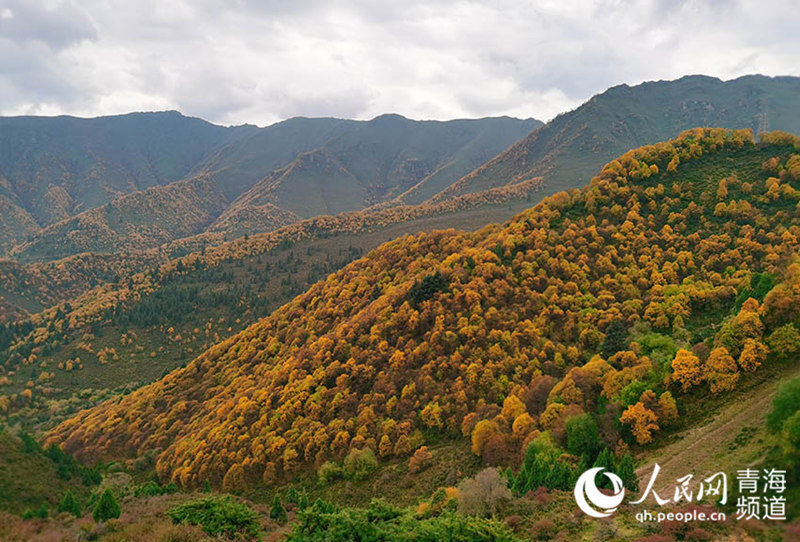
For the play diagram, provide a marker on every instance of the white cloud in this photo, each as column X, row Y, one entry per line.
column 249, row 61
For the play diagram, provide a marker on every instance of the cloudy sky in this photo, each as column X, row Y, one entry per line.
column 236, row 61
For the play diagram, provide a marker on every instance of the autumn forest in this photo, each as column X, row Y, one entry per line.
column 435, row 348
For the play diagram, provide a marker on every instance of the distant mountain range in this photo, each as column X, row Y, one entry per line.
column 70, row 185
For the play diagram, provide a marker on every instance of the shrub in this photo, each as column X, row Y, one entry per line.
column 791, row 436
column 218, row 516
column 421, row 460
column 544, row 529
column 484, row 494
column 291, row 495
column 277, row 512
column 359, row 464
column 381, row 522
column 329, row 472
column 785, row 403
column 513, row 522
column 152, row 488
column 41, row 512
column 380, row 510
column 784, row 341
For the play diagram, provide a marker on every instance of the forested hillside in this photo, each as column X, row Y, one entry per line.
column 571, row 148
column 121, row 322
column 594, row 313
column 134, row 222
column 34, row 287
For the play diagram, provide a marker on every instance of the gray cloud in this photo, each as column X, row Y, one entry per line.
column 55, row 25
column 254, row 61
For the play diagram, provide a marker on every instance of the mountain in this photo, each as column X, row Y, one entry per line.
column 54, row 167
column 569, row 149
column 302, row 167
column 581, row 311
column 239, row 164
column 376, row 161
column 63, row 197
column 152, row 310
column 143, row 219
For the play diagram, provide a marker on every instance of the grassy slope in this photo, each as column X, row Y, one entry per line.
column 29, row 479
column 725, row 433
column 377, row 160
column 16, row 224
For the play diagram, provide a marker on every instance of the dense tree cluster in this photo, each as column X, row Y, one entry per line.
column 382, row 521
column 600, row 304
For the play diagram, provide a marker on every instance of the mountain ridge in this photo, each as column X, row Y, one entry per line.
column 235, row 158
column 568, row 149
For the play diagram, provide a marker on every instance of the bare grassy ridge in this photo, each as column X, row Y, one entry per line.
column 726, row 433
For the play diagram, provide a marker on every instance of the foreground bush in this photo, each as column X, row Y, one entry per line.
column 218, row 516
column 359, row 464
column 151, row 489
column 381, row 522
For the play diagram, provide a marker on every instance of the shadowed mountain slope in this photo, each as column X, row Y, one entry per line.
column 569, row 149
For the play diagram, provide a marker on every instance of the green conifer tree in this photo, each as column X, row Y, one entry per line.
column 107, row 508
column 70, row 504
column 278, row 513
column 627, row 472
column 616, row 339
